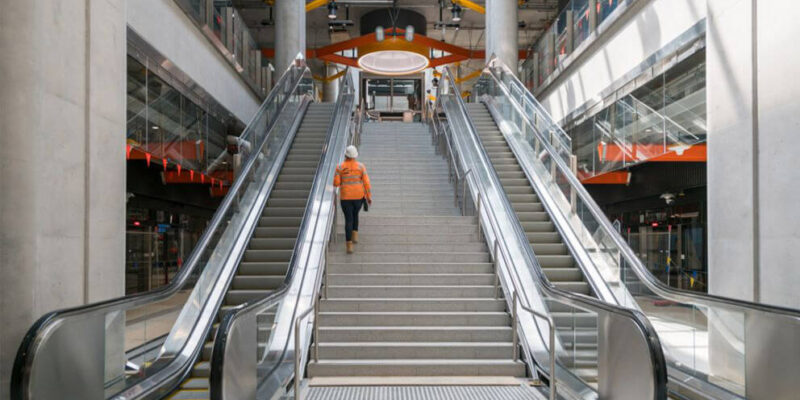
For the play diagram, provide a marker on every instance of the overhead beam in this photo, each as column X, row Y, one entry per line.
column 315, row 4
column 471, row 5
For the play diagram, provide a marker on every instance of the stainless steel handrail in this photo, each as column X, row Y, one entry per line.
column 34, row 339
column 342, row 122
column 637, row 319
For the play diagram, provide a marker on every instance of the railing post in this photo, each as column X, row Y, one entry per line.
column 592, row 15
column 496, row 270
column 325, row 283
column 478, row 214
column 570, row 31
column 316, row 329
column 514, row 336
column 573, row 195
column 297, row 360
column 552, row 359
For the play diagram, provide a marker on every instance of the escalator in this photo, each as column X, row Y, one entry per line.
column 266, row 260
column 578, row 331
column 714, row 347
column 159, row 344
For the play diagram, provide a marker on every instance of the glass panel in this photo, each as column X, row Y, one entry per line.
column 692, row 335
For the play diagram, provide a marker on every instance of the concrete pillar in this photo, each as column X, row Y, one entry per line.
column 290, row 32
column 753, row 115
column 501, row 32
column 62, row 160
column 330, row 89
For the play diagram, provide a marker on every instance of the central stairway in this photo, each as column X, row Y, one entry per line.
column 416, row 301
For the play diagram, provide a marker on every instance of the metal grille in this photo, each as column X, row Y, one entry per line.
column 423, row 393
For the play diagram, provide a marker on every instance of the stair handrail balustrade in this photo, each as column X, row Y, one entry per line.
column 771, row 330
column 233, row 376
column 44, row 369
column 528, row 278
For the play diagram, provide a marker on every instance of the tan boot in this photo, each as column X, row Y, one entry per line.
column 355, row 236
column 349, row 247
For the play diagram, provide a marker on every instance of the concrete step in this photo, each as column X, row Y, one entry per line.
column 375, row 257
column 474, row 247
column 434, row 221
column 415, row 334
column 365, row 238
column 411, row 279
column 398, row 367
column 406, row 291
column 415, row 318
column 415, row 350
column 408, row 268
column 412, row 304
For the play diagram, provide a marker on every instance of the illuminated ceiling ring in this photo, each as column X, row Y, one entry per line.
column 393, row 56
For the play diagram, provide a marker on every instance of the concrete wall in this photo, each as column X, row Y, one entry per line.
column 62, row 160
column 753, row 121
column 648, row 27
column 170, row 31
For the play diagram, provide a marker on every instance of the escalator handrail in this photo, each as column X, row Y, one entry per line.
column 653, row 283
column 578, row 300
column 221, row 340
column 34, row 336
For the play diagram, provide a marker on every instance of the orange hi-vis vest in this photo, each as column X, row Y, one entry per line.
column 353, row 181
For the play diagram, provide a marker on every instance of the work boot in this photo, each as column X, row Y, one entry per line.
column 355, row 236
column 349, row 247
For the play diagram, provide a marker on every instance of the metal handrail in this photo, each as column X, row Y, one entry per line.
column 681, row 295
column 298, row 355
column 32, row 340
column 340, row 116
column 573, row 299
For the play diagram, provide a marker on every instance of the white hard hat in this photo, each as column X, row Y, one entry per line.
column 351, row 152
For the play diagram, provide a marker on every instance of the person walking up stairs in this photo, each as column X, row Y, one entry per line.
column 354, row 190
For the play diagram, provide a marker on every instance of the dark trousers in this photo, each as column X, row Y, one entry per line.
column 350, row 208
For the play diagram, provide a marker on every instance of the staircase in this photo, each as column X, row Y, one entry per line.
column 577, row 330
column 417, row 299
column 267, row 257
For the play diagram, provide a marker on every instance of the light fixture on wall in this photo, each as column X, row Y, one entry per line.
column 332, row 7
column 456, row 11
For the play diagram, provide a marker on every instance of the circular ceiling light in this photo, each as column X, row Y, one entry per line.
column 393, row 56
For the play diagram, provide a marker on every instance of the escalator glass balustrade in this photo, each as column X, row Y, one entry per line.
column 143, row 346
column 714, row 346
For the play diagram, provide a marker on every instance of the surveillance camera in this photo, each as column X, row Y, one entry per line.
column 669, row 198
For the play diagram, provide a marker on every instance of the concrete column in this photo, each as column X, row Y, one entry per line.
column 330, row 89
column 753, row 115
column 501, row 32
column 62, row 160
column 290, row 32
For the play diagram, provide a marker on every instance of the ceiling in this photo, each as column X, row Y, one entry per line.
column 536, row 14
